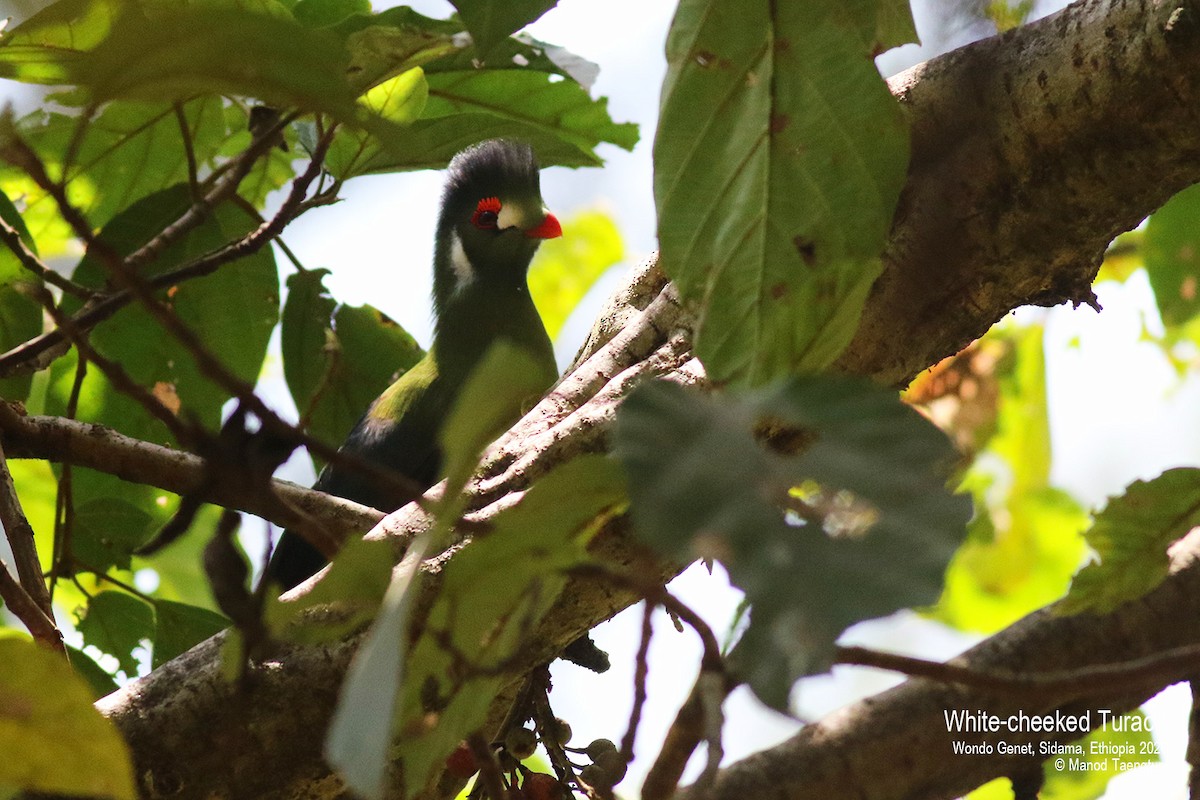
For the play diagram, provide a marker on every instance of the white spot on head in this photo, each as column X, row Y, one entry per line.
column 520, row 60
column 509, row 217
column 464, row 273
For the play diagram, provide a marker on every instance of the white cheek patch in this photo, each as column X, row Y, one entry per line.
column 509, row 217
column 464, row 273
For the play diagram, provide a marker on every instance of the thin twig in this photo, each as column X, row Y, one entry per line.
column 24, row 608
column 639, row 682
column 214, row 370
column 287, row 252
column 713, row 687
column 64, row 500
column 120, row 378
column 544, row 720
column 699, row 719
column 30, row 261
column 125, row 270
column 21, row 540
column 82, row 123
column 1060, row 686
column 100, row 309
column 654, row 592
column 222, row 189
column 189, row 151
column 100, row 448
column 686, row 732
column 120, row 584
column 251, row 211
column 25, row 556
column 1193, row 745
column 17, row 152
column 489, row 769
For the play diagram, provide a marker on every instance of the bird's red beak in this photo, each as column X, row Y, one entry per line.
column 548, row 229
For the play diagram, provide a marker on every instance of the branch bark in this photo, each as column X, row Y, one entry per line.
column 896, row 744
column 1030, row 152
column 265, row 729
column 97, row 447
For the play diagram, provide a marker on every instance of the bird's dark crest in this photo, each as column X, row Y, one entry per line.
column 494, row 163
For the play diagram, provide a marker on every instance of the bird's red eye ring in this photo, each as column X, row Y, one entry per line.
column 487, row 213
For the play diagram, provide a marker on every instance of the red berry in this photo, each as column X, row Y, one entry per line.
column 540, row 786
column 461, row 762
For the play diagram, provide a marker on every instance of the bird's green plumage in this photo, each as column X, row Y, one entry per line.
column 480, row 296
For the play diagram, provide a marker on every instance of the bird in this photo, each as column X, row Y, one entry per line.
column 492, row 220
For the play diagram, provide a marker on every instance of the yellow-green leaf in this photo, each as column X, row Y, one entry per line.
column 1131, row 536
column 52, row 738
column 566, row 268
column 399, row 100
column 499, row 387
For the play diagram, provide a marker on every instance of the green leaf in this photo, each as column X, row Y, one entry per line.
column 779, row 158
column 322, row 13
column 107, row 529
column 352, row 589
column 10, row 265
column 20, row 320
column 490, row 22
column 233, row 312
column 53, row 739
column 182, row 51
column 1172, row 254
column 359, row 738
column 130, row 150
column 399, row 100
column 504, row 581
column 871, row 526
column 38, row 492
column 1025, row 542
column 1019, row 556
column 506, row 380
column 495, row 591
column 100, row 403
column 566, row 268
column 1131, row 536
column 1008, row 15
column 20, row 315
column 493, row 594
column 177, row 567
column 379, row 52
column 337, row 359
column 882, row 24
column 46, row 47
column 178, row 627
column 116, row 623
column 98, row 680
column 401, row 23
column 431, row 143
column 540, row 100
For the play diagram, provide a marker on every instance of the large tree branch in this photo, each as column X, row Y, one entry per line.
column 1030, row 152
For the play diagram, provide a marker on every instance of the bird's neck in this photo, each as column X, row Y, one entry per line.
column 481, row 313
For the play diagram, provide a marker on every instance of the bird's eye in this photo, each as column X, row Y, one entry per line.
column 487, row 213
